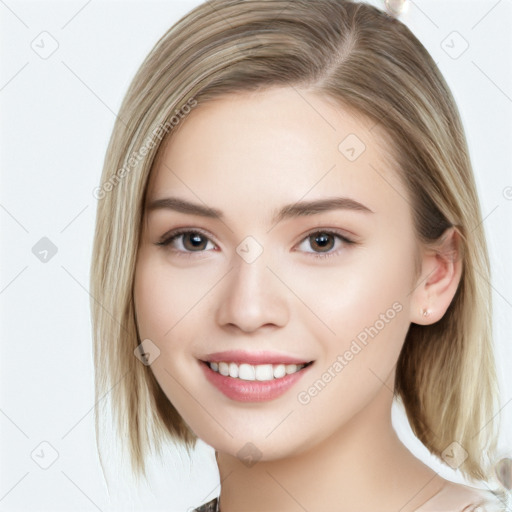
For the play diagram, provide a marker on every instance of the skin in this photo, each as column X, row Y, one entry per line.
column 248, row 155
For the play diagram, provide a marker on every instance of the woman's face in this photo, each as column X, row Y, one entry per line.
column 298, row 248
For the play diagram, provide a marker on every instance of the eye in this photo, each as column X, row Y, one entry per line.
column 323, row 242
column 186, row 241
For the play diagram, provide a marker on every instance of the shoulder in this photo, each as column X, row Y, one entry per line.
column 211, row 506
column 461, row 498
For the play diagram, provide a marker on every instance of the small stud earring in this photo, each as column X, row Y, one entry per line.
column 425, row 312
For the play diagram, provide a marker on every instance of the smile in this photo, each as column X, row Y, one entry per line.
column 260, row 372
column 246, row 382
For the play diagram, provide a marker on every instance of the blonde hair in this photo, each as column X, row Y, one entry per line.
column 365, row 60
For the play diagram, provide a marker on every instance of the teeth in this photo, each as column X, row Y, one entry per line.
column 224, row 369
column 264, row 372
column 279, row 371
column 291, row 368
column 233, row 370
column 261, row 372
column 246, row 372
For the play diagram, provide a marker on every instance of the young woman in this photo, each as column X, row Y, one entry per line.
column 288, row 239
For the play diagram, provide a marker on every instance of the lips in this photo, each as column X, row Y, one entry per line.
column 254, row 358
column 253, row 376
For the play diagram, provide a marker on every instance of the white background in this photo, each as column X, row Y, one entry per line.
column 56, row 119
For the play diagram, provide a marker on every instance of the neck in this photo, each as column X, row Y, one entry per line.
column 362, row 466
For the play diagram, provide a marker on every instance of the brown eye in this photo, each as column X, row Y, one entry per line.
column 186, row 242
column 322, row 242
column 194, row 241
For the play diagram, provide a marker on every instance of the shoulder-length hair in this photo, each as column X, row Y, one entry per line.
column 367, row 61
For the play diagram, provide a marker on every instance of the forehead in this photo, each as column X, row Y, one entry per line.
column 277, row 145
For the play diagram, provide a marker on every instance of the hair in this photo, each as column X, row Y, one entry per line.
column 365, row 61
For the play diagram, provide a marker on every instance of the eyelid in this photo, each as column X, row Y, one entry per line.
column 166, row 237
column 343, row 234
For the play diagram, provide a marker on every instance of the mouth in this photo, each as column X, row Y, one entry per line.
column 249, row 382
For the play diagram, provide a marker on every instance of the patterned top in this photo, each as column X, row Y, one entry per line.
column 211, row 506
column 446, row 500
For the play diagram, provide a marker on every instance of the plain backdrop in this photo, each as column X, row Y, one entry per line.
column 64, row 69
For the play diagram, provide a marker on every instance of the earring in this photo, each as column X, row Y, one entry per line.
column 425, row 312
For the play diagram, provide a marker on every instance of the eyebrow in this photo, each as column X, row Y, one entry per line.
column 299, row 209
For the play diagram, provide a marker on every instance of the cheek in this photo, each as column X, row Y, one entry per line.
column 350, row 296
column 162, row 297
column 151, row 305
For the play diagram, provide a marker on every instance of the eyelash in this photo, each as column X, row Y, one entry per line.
column 170, row 237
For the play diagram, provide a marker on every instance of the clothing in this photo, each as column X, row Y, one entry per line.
column 211, row 506
column 450, row 498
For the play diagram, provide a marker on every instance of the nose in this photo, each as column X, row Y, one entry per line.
column 252, row 297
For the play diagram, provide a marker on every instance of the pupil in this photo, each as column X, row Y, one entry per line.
column 195, row 239
column 322, row 240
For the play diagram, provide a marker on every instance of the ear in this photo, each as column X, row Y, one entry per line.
column 441, row 270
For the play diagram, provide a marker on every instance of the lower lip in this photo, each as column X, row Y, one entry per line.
column 252, row 390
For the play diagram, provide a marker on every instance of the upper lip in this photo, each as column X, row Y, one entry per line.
column 261, row 357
